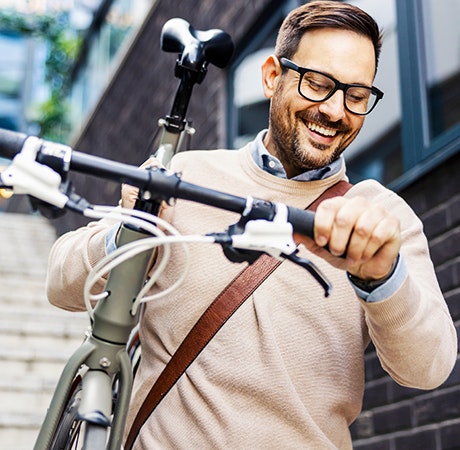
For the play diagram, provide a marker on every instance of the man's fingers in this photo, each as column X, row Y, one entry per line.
column 365, row 233
column 335, row 223
column 129, row 193
column 368, row 234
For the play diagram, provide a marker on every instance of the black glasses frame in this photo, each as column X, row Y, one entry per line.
column 288, row 64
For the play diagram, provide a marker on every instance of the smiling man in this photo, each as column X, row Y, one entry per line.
column 313, row 118
column 286, row 371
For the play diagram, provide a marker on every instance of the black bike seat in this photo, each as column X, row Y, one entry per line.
column 197, row 47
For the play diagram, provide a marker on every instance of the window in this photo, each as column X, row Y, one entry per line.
column 429, row 74
column 249, row 108
column 376, row 152
column 104, row 44
column 13, row 56
column 21, row 80
column 442, row 59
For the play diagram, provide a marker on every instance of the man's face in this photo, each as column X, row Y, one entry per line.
column 308, row 135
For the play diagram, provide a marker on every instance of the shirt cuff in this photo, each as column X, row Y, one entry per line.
column 111, row 239
column 388, row 288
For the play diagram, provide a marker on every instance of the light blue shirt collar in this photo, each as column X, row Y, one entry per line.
column 272, row 165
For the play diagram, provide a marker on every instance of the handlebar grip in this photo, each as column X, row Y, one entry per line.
column 302, row 221
column 11, row 143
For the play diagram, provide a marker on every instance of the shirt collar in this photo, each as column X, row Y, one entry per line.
column 272, row 165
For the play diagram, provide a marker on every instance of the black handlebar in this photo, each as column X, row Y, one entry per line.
column 11, row 143
column 161, row 184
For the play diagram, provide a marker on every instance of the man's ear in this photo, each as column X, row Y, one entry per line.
column 271, row 72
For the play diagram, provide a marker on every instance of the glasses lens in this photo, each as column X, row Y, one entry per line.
column 316, row 86
column 360, row 100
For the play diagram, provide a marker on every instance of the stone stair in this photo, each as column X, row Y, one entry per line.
column 36, row 338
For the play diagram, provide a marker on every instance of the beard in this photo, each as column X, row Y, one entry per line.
column 294, row 148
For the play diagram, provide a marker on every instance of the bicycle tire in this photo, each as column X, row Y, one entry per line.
column 73, row 433
column 134, row 349
column 95, row 437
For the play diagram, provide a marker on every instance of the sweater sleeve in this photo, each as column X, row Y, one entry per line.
column 412, row 330
column 71, row 258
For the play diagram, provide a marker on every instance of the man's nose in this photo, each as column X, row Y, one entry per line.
column 334, row 107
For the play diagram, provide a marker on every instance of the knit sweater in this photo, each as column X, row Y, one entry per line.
column 287, row 370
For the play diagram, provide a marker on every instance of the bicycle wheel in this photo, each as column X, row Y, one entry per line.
column 73, row 433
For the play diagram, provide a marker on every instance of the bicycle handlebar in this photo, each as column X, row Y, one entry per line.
column 11, row 143
column 160, row 184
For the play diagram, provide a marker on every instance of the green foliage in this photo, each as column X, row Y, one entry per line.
column 63, row 48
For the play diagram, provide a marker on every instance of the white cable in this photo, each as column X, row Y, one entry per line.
column 278, row 235
column 141, row 298
column 127, row 251
column 136, row 218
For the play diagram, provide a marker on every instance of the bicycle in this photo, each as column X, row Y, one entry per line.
column 93, row 393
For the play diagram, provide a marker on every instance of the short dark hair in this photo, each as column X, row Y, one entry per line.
column 325, row 14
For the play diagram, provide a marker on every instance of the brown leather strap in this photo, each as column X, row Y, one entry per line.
column 218, row 312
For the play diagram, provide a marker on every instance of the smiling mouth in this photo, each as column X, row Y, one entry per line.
column 321, row 130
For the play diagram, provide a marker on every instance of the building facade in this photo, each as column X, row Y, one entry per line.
column 410, row 143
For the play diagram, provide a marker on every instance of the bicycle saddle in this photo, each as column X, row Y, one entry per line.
column 196, row 48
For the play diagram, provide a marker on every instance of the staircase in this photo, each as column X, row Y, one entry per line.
column 36, row 338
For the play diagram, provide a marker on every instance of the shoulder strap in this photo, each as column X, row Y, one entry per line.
column 218, row 312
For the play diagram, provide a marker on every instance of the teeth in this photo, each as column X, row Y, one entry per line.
column 321, row 130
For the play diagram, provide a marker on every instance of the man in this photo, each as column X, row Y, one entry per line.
column 286, row 371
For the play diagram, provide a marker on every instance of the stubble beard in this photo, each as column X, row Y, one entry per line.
column 302, row 156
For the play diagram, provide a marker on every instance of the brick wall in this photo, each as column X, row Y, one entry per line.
column 398, row 418
column 393, row 417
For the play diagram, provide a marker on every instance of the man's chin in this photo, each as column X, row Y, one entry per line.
column 317, row 159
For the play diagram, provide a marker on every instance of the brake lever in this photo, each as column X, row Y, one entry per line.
column 313, row 270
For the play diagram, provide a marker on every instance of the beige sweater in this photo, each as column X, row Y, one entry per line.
column 286, row 371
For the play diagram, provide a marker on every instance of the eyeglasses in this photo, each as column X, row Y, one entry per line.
column 318, row 87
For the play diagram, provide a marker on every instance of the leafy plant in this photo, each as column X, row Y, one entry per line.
column 63, row 46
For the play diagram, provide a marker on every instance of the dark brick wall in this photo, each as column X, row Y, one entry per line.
column 398, row 418
column 393, row 418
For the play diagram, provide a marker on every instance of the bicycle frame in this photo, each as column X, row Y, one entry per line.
column 103, row 353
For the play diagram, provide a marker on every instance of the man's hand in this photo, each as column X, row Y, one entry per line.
column 363, row 238
column 129, row 193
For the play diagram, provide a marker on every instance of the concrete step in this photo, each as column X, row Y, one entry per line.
column 37, row 338
column 26, row 394
column 23, row 319
column 43, row 362
column 19, row 431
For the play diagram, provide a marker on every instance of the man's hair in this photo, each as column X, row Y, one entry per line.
column 325, row 14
